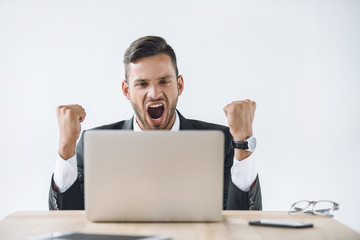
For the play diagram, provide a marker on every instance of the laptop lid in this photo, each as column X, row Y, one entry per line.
column 153, row 175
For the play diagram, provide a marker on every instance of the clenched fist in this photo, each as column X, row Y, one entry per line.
column 240, row 116
column 69, row 119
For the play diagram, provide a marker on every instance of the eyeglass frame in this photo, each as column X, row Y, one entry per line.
column 335, row 207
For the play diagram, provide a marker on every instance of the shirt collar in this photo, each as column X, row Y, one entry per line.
column 175, row 127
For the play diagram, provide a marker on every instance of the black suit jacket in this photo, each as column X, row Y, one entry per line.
column 233, row 197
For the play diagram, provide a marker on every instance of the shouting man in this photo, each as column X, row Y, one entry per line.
column 153, row 85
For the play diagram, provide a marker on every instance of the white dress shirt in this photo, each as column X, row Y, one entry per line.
column 243, row 173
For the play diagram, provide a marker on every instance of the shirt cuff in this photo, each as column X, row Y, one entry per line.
column 243, row 173
column 65, row 173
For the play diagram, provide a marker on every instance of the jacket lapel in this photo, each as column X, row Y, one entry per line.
column 184, row 123
column 128, row 125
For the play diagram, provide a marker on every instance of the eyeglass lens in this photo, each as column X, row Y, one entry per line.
column 323, row 207
column 300, row 206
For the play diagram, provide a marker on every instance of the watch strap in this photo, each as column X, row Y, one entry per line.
column 240, row 144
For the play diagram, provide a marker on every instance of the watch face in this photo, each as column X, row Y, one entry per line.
column 251, row 144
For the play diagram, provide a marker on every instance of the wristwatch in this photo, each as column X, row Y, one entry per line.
column 247, row 145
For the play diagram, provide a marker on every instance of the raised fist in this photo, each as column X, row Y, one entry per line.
column 69, row 119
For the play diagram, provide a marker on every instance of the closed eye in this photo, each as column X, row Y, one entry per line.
column 164, row 81
column 141, row 83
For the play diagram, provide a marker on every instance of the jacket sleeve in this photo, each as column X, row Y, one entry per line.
column 73, row 198
column 234, row 198
column 240, row 200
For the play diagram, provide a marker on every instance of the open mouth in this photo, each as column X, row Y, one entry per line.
column 156, row 111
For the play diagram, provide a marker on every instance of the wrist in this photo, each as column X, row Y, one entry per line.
column 242, row 136
column 67, row 151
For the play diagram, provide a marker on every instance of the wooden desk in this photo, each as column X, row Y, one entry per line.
column 21, row 225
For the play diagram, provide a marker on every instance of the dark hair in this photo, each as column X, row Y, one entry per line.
column 146, row 47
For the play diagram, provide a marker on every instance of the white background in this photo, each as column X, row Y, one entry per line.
column 299, row 60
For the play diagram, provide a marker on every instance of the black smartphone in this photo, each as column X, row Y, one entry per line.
column 90, row 236
column 280, row 223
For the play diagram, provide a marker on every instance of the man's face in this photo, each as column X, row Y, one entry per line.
column 153, row 90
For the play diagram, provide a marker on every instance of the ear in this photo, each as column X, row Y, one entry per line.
column 180, row 83
column 125, row 89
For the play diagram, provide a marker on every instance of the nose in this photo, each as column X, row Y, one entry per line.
column 154, row 92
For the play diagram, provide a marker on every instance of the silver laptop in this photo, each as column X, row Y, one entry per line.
column 153, row 176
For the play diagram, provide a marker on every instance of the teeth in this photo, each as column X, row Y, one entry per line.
column 156, row 105
column 155, row 119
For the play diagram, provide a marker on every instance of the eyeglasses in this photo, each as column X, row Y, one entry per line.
column 323, row 207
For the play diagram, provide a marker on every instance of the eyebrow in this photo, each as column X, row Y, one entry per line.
column 145, row 80
column 165, row 77
column 139, row 80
